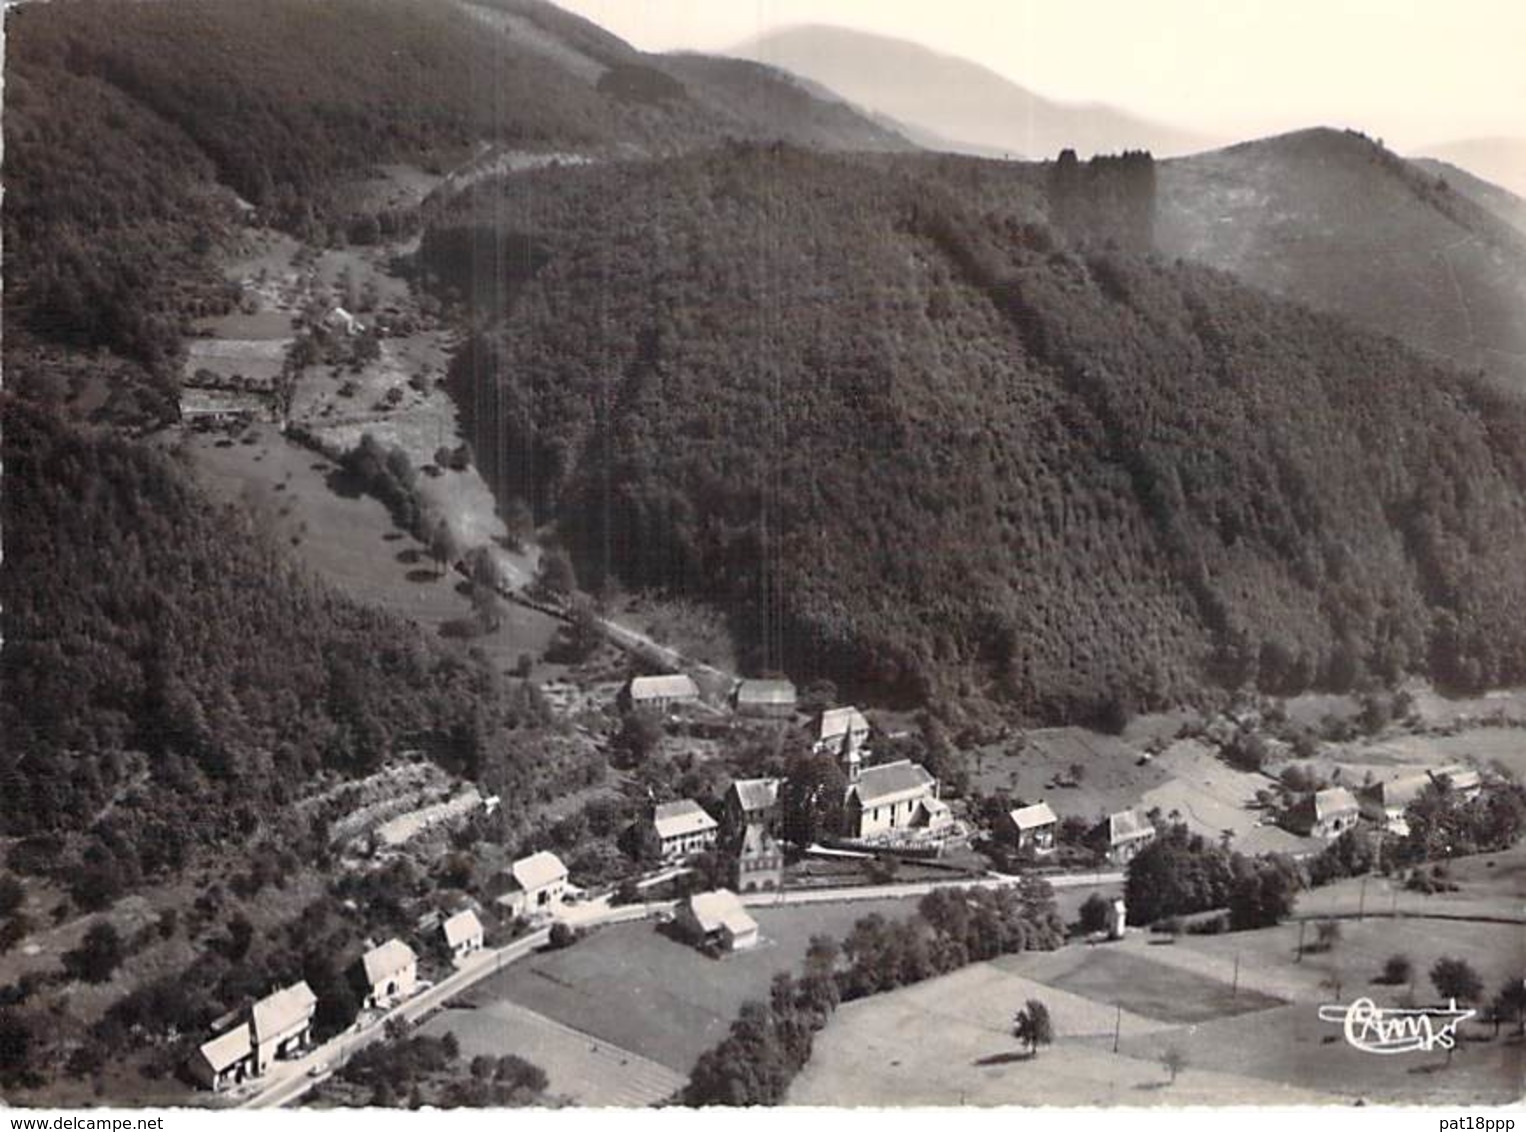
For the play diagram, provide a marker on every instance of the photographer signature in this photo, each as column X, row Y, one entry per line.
column 1378, row 1029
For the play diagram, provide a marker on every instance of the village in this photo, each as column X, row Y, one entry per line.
column 732, row 819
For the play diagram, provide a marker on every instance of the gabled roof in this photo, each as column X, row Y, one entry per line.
column 226, row 1050
column 679, row 687
column 391, row 958
column 891, row 782
column 538, row 870
column 721, row 909
column 1461, row 777
column 837, row 722
column 1033, row 817
column 756, row 793
column 1335, row 800
column 1126, row 825
column 461, row 927
column 280, row 1012
column 766, row 693
column 681, row 818
column 1397, row 793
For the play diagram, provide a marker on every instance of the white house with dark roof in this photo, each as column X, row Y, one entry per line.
column 463, row 933
column 683, row 827
column 1033, row 828
column 717, row 919
column 765, row 699
column 390, row 973
column 659, row 693
column 225, row 1061
column 1325, row 813
column 1121, row 836
column 752, row 801
column 281, row 1024
column 537, row 884
column 894, row 796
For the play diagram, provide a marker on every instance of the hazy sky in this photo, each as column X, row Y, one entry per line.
column 1409, row 71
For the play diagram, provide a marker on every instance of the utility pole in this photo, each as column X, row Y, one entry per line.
column 1302, row 925
column 1117, row 1024
column 1234, row 990
column 1361, row 901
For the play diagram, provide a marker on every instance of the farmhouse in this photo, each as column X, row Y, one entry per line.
column 462, row 933
column 1121, row 836
column 342, row 320
column 764, row 699
column 1384, row 803
column 224, row 1061
column 1464, row 780
column 890, row 797
column 1032, row 828
column 752, row 801
column 536, row 884
column 659, row 693
column 1325, row 813
column 221, row 406
column 683, row 827
column 757, row 862
column 841, row 731
column 390, row 973
column 717, row 920
column 281, row 1024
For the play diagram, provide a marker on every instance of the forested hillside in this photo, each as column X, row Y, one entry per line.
column 909, row 440
column 1334, row 220
column 129, row 127
column 170, row 678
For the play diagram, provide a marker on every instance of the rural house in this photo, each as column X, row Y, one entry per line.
column 764, row 699
column 1465, row 782
column 390, row 973
column 281, row 1024
column 1032, row 828
column 536, row 884
column 1325, row 813
column 659, row 693
column 843, row 732
column 683, row 828
column 884, row 799
column 757, row 860
column 1384, row 803
column 343, row 321
column 1119, row 837
column 717, row 920
column 224, row 1061
column 462, row 933
column 752, row 801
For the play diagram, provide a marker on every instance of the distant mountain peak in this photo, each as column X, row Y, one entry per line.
column 954, row 102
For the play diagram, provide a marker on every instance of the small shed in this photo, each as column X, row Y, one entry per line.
column 225, row 1061
column 717, row 920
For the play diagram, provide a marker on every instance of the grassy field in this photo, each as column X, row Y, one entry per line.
column 637, row 989
column 350, row 541
column 1241, row 1007
column 1211, row 798
column 1112, row 780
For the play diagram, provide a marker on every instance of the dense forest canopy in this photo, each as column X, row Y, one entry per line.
column 124, row 149
column 912, row 436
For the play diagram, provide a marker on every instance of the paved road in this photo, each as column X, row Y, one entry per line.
column 289, row 1080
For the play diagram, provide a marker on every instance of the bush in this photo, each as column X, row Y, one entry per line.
column 1213, row 925
column 562, row 935
column 1096, row 910
column 1397, row 970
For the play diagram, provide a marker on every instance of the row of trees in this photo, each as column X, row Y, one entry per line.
column 769, row 1043
column 1181, row 872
